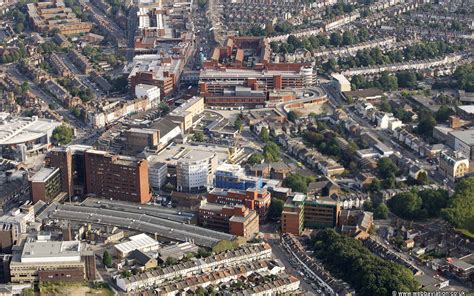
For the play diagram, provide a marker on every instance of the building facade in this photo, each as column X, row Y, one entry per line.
column 150, row 91
column 240, row 74
column 117, row 177
column 46, row 184
column 453, row 165
column 50, row 261
column 321, row 212
column 49, row 15
column 301, row 212
column 71, row 163
column 21, row 137
column 232, row 176
column 237, row 220
column 195, row 171
column 185, row 113
column 157, row 174
column 255, row 199
column 292, row 216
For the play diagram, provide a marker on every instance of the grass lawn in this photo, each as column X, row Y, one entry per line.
column 73, row 289
column 465, row 232
column 468, row 228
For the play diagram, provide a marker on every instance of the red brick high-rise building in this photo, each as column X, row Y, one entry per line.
column 117, row 177
column 85, row 170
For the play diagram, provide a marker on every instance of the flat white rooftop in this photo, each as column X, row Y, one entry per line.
column 43, row 174
column 341, row 78
column 51, row 251
column 230, row 168
column 137, row 242
column 467, row 108
column 17, row 130
column 153, row 63
column 178, row 152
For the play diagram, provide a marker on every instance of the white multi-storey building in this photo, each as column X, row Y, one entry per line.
column 195, row 171
column 157, row 172
column 148, row 91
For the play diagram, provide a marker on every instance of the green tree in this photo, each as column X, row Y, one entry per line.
column 19, row 27
column 264, row 135
column 465, row 77
column 275, row 46
column 426, row 123
column 203, row 253
column 271, row 152
column 198, row 137
column 276, row 207
column 443, row 113
column 363, row 34
column 348, row 38
column 164, row 108
column 107, row 259
column 386, row 168
column 368, row 206
column 406, row 205
column 298, row 182
column 390, row 182
column 295, row 42
column 201, row 291
column 388, row 82
column 202, row 3
column 119, row 84
column 381, row 211
column 330, row 66
column 28, row 292
column 63, row 134
column 406, row 79
column 434, row 201
column 171, row 261
column 368, row 274
column 460, row 210
column 255, row 158
column 385, row 106
column 25, row 87
column 126, row 274
column 76, row 112
column 336, row 39
column 284, row 27
column 323, row 40
column 292, row 116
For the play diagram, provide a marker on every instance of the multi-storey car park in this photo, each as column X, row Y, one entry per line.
column 172, row 227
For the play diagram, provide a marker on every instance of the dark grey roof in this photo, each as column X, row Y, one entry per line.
column 141, row 257
column 164, row 125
